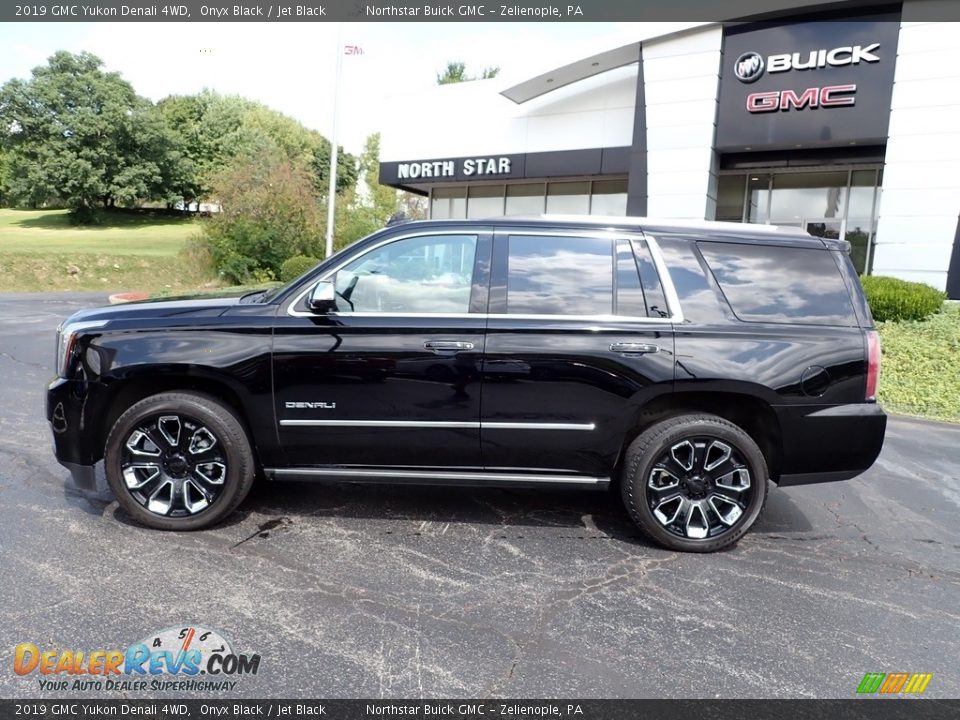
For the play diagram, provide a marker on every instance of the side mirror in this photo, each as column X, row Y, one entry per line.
column 323, row 297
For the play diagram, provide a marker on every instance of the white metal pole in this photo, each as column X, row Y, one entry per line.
column 332, row 192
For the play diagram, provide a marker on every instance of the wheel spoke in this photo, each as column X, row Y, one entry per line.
column 736, row 480
column 684, row 454
column 728, row 511
column 201, row 441
column 697, row 525
column 715, row 455
column 162, row 500
column 140, row 443
column 667, row 511
column 170, row 428
column 136, row 476
column 661, row 478
column 195, row 497
column 211, row 472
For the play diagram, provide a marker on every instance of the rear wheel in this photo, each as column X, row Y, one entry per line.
column 694, row 483
column 179, row 461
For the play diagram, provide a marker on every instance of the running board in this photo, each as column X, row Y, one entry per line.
column 431, row 477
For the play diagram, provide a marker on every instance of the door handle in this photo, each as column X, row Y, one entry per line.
column 629, row 348
column 448, row 345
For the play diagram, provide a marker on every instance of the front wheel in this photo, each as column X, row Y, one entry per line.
column 694, row 483
column 179, row 461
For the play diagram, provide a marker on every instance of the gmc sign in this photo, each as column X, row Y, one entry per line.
column 827, row 96
column 807, row 84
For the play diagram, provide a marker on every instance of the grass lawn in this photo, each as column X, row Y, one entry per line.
column 920, row 367
column 127, row 251
column 49, row 231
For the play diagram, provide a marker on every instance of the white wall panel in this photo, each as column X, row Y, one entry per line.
column 668, row 137
column 921, row 178
column 703, row 40
column 681, row 106
column 681, row 113
column 915, row 256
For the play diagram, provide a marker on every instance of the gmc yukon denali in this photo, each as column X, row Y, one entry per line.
column 685, row 365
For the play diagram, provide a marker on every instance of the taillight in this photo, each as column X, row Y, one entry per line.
column 873, row 364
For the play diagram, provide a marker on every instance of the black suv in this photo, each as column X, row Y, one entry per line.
column 687, row 363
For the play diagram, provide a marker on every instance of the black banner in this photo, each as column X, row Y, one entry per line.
column 413, row 11
column 861, row 709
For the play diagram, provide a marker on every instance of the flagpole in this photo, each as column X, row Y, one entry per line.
column 332, row 192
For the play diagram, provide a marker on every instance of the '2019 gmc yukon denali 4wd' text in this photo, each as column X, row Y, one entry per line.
column 687, row 363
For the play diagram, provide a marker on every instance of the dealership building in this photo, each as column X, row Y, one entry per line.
column 846, row 125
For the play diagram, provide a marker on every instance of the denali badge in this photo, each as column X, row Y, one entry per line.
column 748, row 67
column 310, row 405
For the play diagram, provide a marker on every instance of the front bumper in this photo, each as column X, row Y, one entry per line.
column 829, row 443
column 76, row 440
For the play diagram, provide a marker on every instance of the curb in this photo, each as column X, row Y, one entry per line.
column 127, row 297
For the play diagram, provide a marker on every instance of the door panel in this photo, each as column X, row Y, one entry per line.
column 568, row 361
column 389, row 383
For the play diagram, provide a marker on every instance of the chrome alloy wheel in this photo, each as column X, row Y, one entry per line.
column 173, row 465
column 699, row 488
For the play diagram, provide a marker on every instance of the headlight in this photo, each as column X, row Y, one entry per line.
column 67, row 335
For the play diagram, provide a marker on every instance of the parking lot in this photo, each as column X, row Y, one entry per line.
column 394, row 592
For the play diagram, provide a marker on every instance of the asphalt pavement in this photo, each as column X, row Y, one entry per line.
column 399, row 592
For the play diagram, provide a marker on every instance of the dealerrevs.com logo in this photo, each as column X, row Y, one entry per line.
column 178, row 659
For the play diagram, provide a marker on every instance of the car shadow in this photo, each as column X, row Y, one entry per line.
column 576, row 513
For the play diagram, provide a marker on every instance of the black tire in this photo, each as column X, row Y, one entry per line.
column 652, row 466
column 141, row 444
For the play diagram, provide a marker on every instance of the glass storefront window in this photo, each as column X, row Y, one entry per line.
column 448, row 203
column 568, row 198
column 730, row 198
column 609, row 198
column 828, row 204
column 758, row 198
column 801, row 196
column 485, row 201
column 525, row 199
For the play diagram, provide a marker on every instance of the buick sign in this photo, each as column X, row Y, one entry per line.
column 749, row 67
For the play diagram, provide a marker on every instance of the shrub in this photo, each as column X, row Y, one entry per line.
column 895, row 299
column 270, row 212
column 296, row 266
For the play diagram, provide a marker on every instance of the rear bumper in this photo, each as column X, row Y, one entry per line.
column 829, row 443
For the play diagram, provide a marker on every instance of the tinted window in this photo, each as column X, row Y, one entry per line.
column 427, row 274
column 780, row 284
column 549, row 275
column 699, row 299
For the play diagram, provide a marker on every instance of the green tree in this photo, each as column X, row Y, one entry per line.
column 217, row 130
column 3, row 179
column 79, row 136
column 456, row 72
column 270, row 212
column 368, row 206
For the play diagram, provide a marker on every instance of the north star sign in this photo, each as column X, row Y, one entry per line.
column 480, row 166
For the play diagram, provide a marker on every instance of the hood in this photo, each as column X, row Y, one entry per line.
column 196, row 306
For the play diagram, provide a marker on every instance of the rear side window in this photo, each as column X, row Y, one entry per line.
column 585, row 275
column 765, row 283
column 549, row 275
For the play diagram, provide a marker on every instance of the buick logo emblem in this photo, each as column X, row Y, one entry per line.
column 748, row 67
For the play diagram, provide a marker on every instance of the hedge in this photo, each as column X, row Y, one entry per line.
column 894, row 299
column 296, row 266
